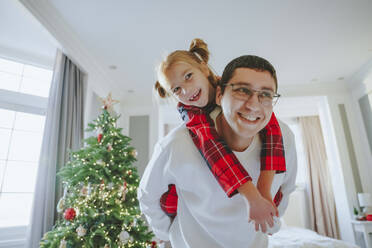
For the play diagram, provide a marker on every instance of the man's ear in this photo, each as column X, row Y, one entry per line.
column 205, row 69
column 218, row 95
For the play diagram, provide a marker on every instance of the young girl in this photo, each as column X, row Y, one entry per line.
column 186, row 76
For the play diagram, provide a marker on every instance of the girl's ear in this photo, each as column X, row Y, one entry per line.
column 218, row 96
column 205, row 69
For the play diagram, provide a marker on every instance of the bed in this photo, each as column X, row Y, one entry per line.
column 293, row 233
column 296, row 237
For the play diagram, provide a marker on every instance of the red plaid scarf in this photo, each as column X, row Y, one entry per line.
column 220, row 159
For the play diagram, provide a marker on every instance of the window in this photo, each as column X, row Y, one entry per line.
column 24, row 78
column 23, row 97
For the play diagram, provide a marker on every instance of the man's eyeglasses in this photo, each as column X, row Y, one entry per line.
column 243, row 92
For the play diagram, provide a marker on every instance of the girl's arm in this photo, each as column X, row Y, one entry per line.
column 272, row 150
column 222, row 162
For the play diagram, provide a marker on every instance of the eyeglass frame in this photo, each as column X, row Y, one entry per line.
column 273, row 102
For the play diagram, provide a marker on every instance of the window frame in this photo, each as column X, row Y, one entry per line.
column 22, row 102
column 15, row 236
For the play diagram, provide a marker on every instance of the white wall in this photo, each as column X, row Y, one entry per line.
column 295, row 214
column 137, row 108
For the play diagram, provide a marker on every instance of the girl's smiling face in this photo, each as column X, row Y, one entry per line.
column 189, row 84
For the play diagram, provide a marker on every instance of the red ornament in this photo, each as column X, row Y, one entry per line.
column 369, row 217
column 70, row 214
column 99, row 138
column 153, row 244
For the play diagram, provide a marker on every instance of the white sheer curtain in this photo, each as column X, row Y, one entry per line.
column 321, row 198
column 63, row 131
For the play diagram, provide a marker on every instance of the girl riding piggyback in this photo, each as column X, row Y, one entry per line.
column 187, row 76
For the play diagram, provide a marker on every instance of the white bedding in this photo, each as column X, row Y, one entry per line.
column 294, row 237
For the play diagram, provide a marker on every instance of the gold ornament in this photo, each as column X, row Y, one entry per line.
column 134, row 153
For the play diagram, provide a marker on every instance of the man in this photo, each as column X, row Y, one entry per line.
column 205, row 216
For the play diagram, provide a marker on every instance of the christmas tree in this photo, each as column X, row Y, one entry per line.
column 99, row 207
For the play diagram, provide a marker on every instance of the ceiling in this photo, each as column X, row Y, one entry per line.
column 309, row 42
column 23, row 38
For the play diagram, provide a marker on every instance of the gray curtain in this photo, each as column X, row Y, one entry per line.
column 322, row 207
column 63, row 132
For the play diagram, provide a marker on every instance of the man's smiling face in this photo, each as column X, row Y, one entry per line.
column 246, row 117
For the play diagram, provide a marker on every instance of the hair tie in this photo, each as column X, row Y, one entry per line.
column 198, row 56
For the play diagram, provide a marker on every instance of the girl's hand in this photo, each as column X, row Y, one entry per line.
column 267, row 196
column 261, row 211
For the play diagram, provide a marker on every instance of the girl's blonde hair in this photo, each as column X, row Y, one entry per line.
column 197, row 56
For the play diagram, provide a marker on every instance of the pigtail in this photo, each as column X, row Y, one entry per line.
column 200, row 49
column 161, row 91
